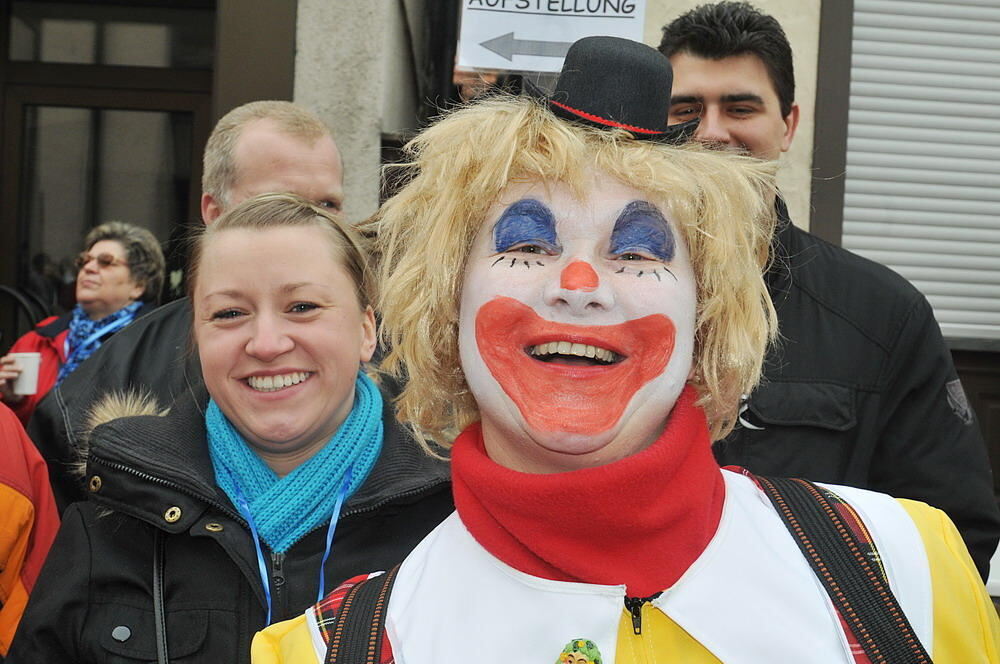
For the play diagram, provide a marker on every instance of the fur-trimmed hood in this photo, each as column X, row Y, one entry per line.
column 113, row 406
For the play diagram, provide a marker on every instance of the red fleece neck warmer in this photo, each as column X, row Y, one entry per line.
column 640, row 521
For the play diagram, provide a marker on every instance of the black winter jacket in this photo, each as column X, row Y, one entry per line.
column 94, row 602
column 152, row 354
column 861, row 390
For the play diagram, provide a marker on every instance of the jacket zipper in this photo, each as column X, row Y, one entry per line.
column 640, row 646
column 177, row 487
column 634, row 606
column 278, row 587
column 228, row 512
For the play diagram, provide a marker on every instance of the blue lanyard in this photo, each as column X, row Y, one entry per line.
column 341, row 497
column 110, row 327
column 262, row 566
column 244, row 508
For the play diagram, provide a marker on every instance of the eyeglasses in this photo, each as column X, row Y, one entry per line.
column 103, row 260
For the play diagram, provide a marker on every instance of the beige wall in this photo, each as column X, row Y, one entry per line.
column 352, row 66
column 800, row 19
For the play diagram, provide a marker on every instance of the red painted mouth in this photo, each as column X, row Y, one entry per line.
column 567, row 393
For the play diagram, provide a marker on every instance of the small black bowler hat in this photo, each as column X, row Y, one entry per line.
column 615, row 82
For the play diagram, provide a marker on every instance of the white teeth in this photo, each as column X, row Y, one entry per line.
column 567, row 348
column 273, row 383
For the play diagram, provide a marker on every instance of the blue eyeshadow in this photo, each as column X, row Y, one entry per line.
column 527, row 221
column 641, row 228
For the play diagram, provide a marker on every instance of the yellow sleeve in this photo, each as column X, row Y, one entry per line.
column 966, row 628
column 286, row 642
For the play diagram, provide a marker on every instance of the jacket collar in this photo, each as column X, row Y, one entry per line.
column 52, row 327
column 147, row 461
column 403, row 469
column 783, row 251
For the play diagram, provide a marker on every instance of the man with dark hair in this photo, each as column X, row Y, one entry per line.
column 735, row 64
column 860, row 389
column 256, row 148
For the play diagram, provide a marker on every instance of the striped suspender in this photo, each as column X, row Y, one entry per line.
column 842, row 554
column 357, row 633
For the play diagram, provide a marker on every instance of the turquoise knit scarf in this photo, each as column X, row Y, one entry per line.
column 285, row 509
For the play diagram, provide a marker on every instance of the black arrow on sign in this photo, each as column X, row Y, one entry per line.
column 507, row 47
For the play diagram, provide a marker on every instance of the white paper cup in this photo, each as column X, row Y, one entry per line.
column 27, row 381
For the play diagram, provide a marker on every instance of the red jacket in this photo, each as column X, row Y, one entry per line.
column 28, row 521
column 49, row 339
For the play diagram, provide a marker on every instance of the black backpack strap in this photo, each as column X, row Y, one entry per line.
column 356, row 637
column 820, row 522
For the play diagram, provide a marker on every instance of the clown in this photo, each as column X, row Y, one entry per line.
column 586, row 308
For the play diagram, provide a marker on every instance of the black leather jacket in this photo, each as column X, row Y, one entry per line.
column 93, row 601
column 861, row 390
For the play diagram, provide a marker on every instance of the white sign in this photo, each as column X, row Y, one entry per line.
column 533, row 35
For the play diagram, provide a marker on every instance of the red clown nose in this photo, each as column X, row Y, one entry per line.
column 578, row 275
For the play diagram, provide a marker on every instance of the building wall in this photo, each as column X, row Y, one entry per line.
column 354, row 67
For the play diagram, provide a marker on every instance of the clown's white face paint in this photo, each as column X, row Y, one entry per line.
column 576, row 329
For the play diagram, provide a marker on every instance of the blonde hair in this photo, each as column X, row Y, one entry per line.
column 458, row 168
column 219, row 168
column 268, row 211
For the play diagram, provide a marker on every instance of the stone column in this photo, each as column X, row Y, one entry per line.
column 339, row 74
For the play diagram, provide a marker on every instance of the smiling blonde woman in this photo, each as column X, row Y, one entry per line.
column 256, row 493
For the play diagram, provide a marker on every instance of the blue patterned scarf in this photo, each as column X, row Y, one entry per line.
column 285, row 509
column 85, row 335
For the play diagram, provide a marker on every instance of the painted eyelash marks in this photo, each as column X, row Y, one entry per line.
column 512, row 261
column 641, row 228
column 526, row 222
column 657, row 272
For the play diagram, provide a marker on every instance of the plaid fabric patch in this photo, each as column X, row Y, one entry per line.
column 326, row 613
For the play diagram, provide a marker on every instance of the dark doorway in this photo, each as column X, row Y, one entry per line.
column 106, row 108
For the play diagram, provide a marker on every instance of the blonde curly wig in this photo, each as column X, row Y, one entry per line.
column 457, row 169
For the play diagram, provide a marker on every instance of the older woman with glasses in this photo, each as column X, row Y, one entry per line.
column 119, row 279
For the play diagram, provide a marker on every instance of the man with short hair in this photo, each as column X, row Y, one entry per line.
column 270, row 146
column 860, row 389
column 259, row 147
